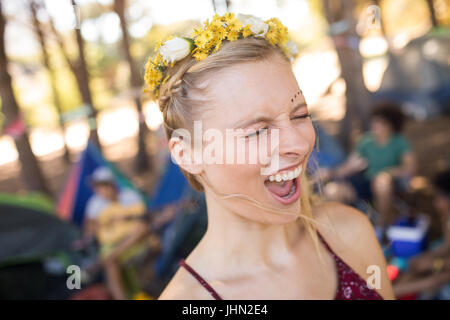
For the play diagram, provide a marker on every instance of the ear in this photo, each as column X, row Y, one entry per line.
column 183, row 155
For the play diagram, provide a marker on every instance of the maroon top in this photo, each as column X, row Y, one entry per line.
column 351, row 286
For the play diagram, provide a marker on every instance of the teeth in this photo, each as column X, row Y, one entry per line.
column 287, row 175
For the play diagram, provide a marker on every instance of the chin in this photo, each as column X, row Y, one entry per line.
column 273, row 218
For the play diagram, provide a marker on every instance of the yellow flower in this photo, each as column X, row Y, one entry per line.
column 246, row 31
column 234, row 25
column 196, row 33
column 277, row 33
column 217, row 22
column 272, row 36
column 206, row 24
column 228, row 17
column 158, row 45
column 220, row 33
column 153, row 78
column 218, row 45
column 200, row 55
column 203, row 38
column 233, row 35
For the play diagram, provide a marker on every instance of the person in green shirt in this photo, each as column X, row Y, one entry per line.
column 381, row 161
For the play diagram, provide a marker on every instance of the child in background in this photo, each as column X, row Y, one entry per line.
column 430, row 271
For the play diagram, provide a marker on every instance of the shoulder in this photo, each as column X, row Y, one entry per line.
column 94, row 200
column 129, row 196
column 401, row 141
column 183, row 286
column 94, row 205
column 341, row 219
column 351, row 236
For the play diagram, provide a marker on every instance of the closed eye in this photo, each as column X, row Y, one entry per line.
column 257, row 133
column 303, row 116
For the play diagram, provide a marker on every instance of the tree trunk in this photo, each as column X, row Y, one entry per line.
column 142, row 159
column 79, row 70
column 46, row 63
column 346, row 42
column 30, row 171
column 432, row 10
column 82, row 75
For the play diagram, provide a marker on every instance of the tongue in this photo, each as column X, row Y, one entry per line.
column 281, row 189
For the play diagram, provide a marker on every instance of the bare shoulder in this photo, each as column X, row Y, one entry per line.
column 352, row 237
column 183, row 286
column 338, row 220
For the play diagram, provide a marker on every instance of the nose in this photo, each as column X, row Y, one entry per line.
column 296, row 141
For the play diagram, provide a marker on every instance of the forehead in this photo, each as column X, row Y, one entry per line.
column 253, row 88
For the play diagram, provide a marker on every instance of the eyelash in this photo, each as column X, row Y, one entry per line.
column 303, row 116
column 257, row 133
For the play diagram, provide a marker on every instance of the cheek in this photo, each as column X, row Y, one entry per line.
column 233, row 178
column 307, row 135
column 311, row 136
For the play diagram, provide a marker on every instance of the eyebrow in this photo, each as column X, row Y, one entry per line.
column 267, row 119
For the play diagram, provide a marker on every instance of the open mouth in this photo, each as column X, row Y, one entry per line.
column 285, row 187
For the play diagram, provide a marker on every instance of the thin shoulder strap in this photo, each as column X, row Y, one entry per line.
column 326, row 244
column 200, row 279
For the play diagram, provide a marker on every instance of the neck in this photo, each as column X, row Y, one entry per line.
column 382, row 139
column 245, row 244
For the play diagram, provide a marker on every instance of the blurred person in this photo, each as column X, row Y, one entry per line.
column 430, row 271
column 381, row 163
column 265, row 239
column 115, row 217
column 182, row 225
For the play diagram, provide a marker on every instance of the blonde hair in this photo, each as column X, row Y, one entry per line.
column 185, row 94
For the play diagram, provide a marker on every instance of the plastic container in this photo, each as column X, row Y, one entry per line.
column 408, row 238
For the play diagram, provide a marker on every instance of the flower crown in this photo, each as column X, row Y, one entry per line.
column 208, row 40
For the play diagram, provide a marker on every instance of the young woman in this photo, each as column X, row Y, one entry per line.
column 264, row 238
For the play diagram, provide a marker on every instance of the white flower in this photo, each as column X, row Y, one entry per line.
column 175, row 49
column 257, row 25
column 291, row 47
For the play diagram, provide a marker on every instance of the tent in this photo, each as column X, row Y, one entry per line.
column 29, row 231
column 170, row 188
column 76, row 191
column 31, row 236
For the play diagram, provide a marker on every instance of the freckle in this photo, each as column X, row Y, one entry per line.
column 292, row 100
